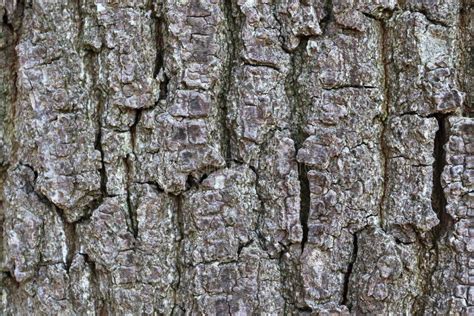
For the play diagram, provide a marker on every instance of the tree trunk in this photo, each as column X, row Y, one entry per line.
column 236, row 156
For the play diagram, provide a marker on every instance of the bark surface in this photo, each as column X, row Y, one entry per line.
column 236, row 157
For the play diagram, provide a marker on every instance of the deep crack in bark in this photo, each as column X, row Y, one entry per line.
column 132, row 212
column 383, row 119
column 298, row 134
column 347, row 275
column 179, row 256
column 232, row 38
column 438, row 199
column 159, row 28
column 98, row 146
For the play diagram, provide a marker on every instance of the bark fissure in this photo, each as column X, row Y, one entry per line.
column 128, row 162
column 339, row 87
column 11, row 62
column 133, row 129
column 132, row 212
column 385, row 53
column 91, row 61
column 179, row 253
column 69, row 228
column 298, row 134
column 347, row 275
column 233, row 40
column 159, row 71
column 438, row 199
column 98, row 145
column 467, row 57
column 328, row 18
column 71, row 239
column 305, row 202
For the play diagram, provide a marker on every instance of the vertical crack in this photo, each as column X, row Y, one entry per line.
column 98, row 144
column 132, row 213
column 305, row 202
column 385, row 53
column 438, row 203
column 133, row 129
column 91, row 63
column 128, row 162
column 467, row 55
column 70, row 236
column 438, row 199
column 159, row 29
column 328, row 18
column 71, row 239
column 9, row 67
column 179, row 255
column 233, row 41
column 347, row 276
column 298, row 133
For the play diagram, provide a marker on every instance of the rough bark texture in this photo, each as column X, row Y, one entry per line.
column 236, row 156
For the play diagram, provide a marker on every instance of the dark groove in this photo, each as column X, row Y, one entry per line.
column 347, row 276
column 68, row 227
column 15, row 28
column 305, row 309
column 305, row 202
column 133, row 128
column 348, row 86
column 223, row 97
column 384, row 151
column 191, row 182
column 179, row 256
column 298, row 135
column 98, row 145
column 160, row 30
column 131, row 209
column 328, row 18
column 467, row 56
column 243, row 245
column 71, row 239
column 438, row 203
column 438, row 199
column 91, row 61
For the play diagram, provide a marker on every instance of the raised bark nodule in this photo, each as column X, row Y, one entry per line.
column 236, row 157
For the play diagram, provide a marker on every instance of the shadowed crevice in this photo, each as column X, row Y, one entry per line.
column 347, row 276
column 98, row 146
column 233, row 43
column 160, row 30
column 178, row 199
column 438, row 203
column 132, row 212
column 438, row 199
column 299, row 106
column 305, row 201
column 384, row 151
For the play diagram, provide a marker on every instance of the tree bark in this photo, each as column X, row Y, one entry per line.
column 236, row 156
